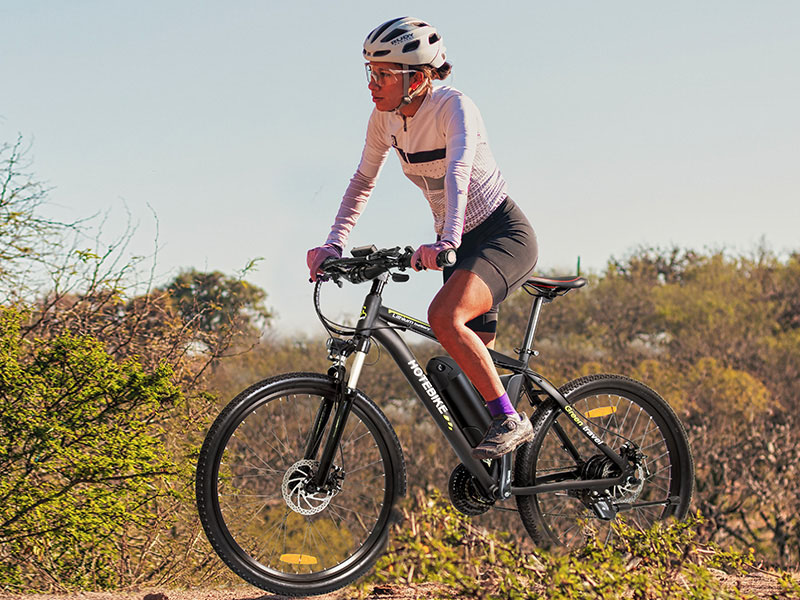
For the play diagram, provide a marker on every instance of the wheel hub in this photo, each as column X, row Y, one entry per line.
column 296, row 492
column 602, row 467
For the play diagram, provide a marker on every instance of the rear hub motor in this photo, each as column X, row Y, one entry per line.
column 604, row 503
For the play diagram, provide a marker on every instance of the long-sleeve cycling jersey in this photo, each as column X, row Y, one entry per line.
column 444, row 150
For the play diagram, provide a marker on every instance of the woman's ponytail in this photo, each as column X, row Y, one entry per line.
column 443, row 72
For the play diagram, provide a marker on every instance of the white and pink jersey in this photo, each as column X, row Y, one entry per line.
column 444, row 150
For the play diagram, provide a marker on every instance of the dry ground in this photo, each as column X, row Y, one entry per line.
column 760, row 585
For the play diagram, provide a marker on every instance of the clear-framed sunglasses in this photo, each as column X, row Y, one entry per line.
column 381, row 75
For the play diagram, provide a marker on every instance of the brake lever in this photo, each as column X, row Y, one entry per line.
column 323, row 277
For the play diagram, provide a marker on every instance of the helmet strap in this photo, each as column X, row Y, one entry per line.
column 408, row 96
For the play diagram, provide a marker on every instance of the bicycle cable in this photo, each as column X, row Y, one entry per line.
column 330, row 326
column 333, row 328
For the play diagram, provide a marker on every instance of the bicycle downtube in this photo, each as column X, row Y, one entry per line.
column 419, row 382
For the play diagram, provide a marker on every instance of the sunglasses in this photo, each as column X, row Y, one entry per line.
column 383, row 75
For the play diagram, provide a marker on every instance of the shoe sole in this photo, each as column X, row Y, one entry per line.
column 504, row 449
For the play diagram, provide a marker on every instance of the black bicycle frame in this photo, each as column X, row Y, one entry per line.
column 381, row 323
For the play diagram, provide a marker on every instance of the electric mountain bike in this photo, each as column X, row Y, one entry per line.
column 299, row 475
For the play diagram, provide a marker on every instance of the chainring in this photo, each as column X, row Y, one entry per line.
column 465, row 494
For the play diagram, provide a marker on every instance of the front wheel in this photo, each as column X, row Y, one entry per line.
column 626, row 415
column 260, row 510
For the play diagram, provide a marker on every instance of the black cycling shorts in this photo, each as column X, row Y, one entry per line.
column 502, row 251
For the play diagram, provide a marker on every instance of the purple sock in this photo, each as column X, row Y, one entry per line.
column 501, row 405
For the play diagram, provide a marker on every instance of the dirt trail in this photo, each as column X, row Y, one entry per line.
column 760, row 585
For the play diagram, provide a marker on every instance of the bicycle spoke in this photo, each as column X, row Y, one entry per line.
column 367, row 466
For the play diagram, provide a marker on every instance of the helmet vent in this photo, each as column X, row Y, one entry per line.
column 393, row 34
column 378, row 53
column 411, row 46
column 433, row 38
column 384, row 27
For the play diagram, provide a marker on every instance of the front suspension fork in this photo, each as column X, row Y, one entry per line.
column 343, row 402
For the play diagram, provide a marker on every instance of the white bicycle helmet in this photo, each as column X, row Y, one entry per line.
column 407, row 41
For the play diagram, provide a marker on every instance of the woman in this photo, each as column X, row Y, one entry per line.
column 440, row 139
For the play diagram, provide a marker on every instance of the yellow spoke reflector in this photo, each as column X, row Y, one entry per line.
column 602, row 411
column 298, row 559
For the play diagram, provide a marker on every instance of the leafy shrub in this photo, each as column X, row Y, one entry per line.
column 81, row 453
column 437, row 544
column 707, row 386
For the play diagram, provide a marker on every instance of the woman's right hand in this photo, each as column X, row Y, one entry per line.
column 316, row 256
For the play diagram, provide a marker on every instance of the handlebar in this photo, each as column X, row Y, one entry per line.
column 368, row 263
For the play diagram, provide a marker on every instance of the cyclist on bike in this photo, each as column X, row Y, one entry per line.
column 440, row 139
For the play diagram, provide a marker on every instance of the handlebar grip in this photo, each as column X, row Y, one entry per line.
column 446, row 258
column 367, row 273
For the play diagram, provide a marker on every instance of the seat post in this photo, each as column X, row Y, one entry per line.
column 526, row 352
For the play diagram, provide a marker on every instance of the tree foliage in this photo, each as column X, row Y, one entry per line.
column 215, row 304
column 102, row 404
column 678, row 307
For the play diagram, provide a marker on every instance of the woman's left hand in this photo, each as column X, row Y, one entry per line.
column 425, row 256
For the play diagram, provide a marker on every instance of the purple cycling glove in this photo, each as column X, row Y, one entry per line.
column 425, row 256
column 316, row 256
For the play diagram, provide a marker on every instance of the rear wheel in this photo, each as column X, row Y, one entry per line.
column 259, row 507
column 630, row 418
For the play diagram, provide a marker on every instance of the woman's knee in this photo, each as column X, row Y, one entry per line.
column 441, row 318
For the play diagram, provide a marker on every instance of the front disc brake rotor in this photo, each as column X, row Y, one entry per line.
column 295, row 494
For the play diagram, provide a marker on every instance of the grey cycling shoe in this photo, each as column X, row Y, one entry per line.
column 505, row 433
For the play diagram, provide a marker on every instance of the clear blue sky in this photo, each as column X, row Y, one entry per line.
column 616, row 124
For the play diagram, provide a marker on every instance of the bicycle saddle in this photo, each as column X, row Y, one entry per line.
column 553, row 286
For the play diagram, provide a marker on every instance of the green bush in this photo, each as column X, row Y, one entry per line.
column 82, row 457
column 437, row 544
